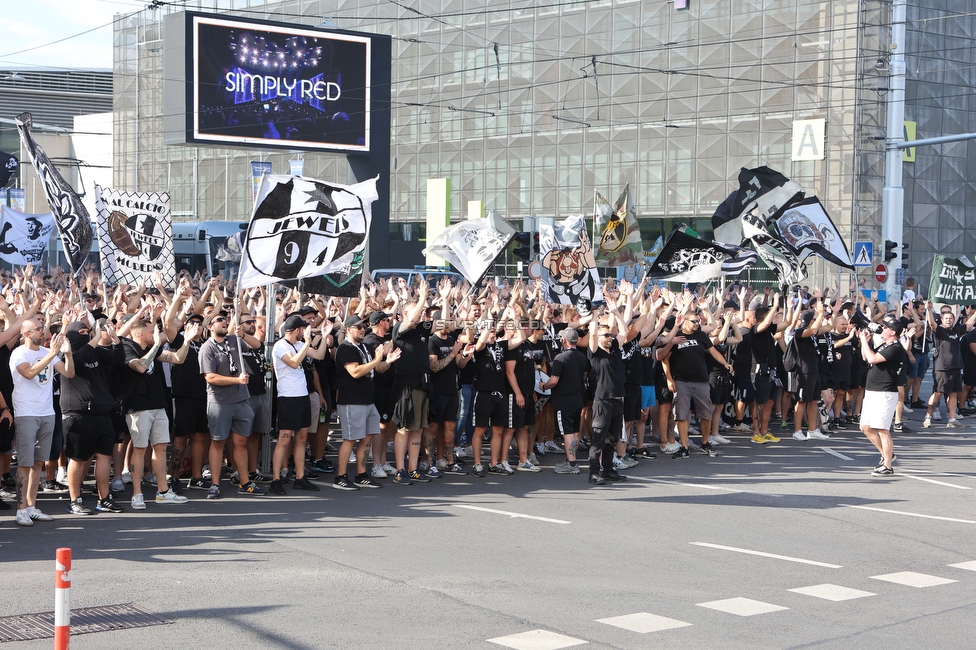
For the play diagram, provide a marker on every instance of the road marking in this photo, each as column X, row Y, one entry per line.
column 912, row 579
column 719, row 488
column 642, row 622
column 835, row 593
column 770, row 555
column 835, row 453
column 742, row 606
column 536, row 640
column 933, row 481
column 909, row 514
column 513, row 515
column 968, row 566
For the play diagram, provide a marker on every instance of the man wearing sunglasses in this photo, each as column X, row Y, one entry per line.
column 228, row 412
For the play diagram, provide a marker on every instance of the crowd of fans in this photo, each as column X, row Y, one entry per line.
column 177, row 388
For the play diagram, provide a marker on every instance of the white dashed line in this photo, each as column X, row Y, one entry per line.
column 513, row 515
column 909, row 514
column 774, row 556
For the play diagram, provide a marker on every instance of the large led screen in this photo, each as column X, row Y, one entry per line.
column 269, row 85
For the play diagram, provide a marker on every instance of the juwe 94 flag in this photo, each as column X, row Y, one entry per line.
column 135, row 236
column 305, row 228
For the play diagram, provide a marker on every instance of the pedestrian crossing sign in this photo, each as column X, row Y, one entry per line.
column 863, row 253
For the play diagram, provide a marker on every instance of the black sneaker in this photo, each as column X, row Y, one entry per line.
column 497, row 469
column 645, row 452
column 894, row 457
column 312, row 476
column 323, row 465
column 680, row 454
column 4, row 505
column 708, row 449
column 855, row 419
column 8, row 481
column 402, row 478
column 613, row 476
column 342, row 482
column 199, row 484
column 304, row 484
column 898, row 427
column 251, row 488
column 596, row 479
column 366, row 481
column 54, row 486
column 108, row 504
column 277, row 488
column 420, row 478
column 832, row 426
column 77, row 507
column 176, row 485
column 478, row 470
column 841, row 425
column 919, row 404
column 258, row 477
column 883, row 471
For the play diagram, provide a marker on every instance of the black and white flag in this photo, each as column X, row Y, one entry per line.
column 24, row 237
column 70, row 214
column 763, row 189
column 686, row 258
column 8, row 167
column 805, row 226
column 568, row 267
column 473, row 245
column 135, row 236
column 305, row 228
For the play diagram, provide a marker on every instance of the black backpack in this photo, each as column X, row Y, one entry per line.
column 791, row 360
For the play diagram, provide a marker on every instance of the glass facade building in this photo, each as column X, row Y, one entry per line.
column 532, row 106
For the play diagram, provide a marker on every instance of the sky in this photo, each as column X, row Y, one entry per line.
column 30, row 23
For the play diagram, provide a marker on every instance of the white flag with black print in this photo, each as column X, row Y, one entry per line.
column 135, row 236
column 686, row 258
column 305, row 228
column 70, row 214
column 24, row 237
column 805, row 226
column 473, row 245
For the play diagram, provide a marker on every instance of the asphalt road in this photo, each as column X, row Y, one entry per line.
column 672, row 558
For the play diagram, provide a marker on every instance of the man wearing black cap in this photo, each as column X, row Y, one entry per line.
column 567, row 376
column 808, row 377
column 881, row 391
column 380, row 323
column 294, row 409
column 947, row 355
column 360, row 420
column 190, row 412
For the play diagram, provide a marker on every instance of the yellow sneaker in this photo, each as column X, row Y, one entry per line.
column 758, row 439
column 770, row 438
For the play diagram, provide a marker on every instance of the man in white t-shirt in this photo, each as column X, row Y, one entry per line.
column 32, row 371
column 294, row 408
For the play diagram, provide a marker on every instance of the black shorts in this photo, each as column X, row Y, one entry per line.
column 382, row 401
column 969, row 375
column 189, row 417
column 744, row 390
column 839, row 381
column 808, row 387
column 720, row 390
column 567, row 421
column 948, row 381
column 119, row 426
column 663, row 394
column 859, row 373
column 294, row 413
column 632, row 402
column 520, row 417
column 87, row 435
column 490, row 409
column 57, row 437
column 6, row 436
column 443, row 408
column 766, row 389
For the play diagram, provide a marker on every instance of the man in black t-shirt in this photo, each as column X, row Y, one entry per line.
column 446, row 361
column 947, row 356
column 808, row 385
column 881, row 390
column 567, row 377
column 520, row 377
column 358, row 416
column 763, row 343
column 190, row 425
column 840, row 366
column 381, row 323
column 490, row 402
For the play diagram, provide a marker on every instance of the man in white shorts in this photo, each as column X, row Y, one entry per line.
column 881, row 390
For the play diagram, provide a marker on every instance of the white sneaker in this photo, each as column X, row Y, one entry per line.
column 149, row 479
column 553, row 448
column 528, row 467
column 937, row 416
column 118, row 485
column 352, row 457
column 740, row 428
column 460, row 453
column 719, row 439
column 23, row 518
column 799, row 436
column 507, row 467
column 905, row 408
column 126, row 478
column 389, row 469
column 468, row 451
column 138, row 502
column 441, row 464
column 169, row 498
column 377, row 472
column 672, row 448
column 540, row 449
column 205, row 472
column 37, row 515
column 618, row 464
column 62, row 475
column 927, row 422
column 816, row 434
column 533, row 460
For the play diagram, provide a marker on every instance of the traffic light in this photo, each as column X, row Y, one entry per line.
column 523, row 246
column 526, row 243
column 904, row 256
column 890, row 250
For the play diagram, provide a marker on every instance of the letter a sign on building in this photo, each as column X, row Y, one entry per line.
column 808, row 139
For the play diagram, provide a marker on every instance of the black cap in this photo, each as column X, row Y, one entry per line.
column 196, row 317
column 306, row 310
column 352, row 320
column 293, row 323
column 893, row 324
column 377, row 316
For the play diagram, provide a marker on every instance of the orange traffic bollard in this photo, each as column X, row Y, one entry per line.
column 62, row 599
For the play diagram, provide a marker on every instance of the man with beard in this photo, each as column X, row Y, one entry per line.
column 253, row 331
column 446, row 361
column 87, row 405
column 881, row 391
column 380, row 324
column 32, row 368
column 190, row 428
column 228, row 413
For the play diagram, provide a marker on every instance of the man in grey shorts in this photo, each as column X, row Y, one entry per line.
column 32, row 369
column 228, row 411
